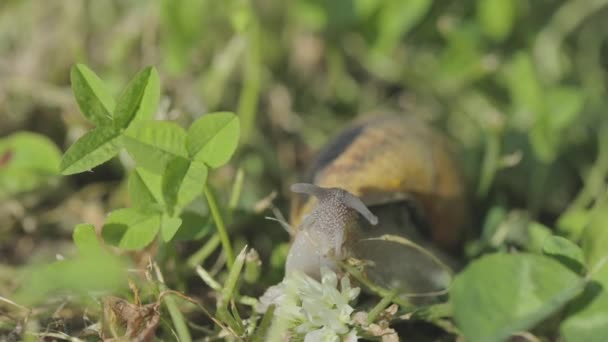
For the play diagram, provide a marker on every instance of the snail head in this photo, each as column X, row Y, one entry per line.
column 330, row 197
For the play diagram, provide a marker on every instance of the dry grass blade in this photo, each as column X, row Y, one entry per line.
column 405, row 242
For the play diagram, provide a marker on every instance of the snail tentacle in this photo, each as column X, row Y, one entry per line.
column 354, row 202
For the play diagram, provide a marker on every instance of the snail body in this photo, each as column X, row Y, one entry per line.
column 405, row 173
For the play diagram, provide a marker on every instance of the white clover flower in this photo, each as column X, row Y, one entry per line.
column 316, row 310
column 322, row 335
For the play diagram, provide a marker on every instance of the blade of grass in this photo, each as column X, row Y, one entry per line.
column 230, row 289
column 235, row 312
column 208, row 279
column 200, row 306
column 229, row 292
column 262, row 331
column 405, row 242
column 221, row 228
column 176, row 315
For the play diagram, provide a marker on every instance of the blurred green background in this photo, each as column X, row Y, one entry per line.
column 519, row 86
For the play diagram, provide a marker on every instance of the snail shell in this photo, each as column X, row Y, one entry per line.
column 406, row 174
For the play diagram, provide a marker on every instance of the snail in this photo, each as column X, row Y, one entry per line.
column 384, row 176
column 326, row 229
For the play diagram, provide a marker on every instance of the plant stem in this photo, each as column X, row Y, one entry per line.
column 375, row 288
column 373, row 314
column 176, row 316
column 199, row 256
column 249, row 96
column 237, row 188
column 219, row 223
column 178, row 319
column 208, row 279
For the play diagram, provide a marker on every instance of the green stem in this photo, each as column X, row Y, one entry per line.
column 176, row 315
column 378, row 290
column 178, row 319
column 205, row 251
column 219, row 223
column 373, row 314
column 249, row 96
column 237, row 188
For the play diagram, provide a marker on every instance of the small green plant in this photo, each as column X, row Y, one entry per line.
column 171, row 163
column 171, row 170
column 504, row 294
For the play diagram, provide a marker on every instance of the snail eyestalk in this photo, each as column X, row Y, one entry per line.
column 355, row 203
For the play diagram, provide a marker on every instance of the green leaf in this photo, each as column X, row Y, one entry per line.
column 141, row 196
column 366, row 8
column 27, row 161
column 94, row 99
column 169, row 227
column 564, row 251
column 92, row 149
column 154, row 143
column 496, row 17
column 213, row 138
column 116, row 225
column 572, row 222
column 588, row 315
column 130, row 229
column 461, row 61
column 153, row 183
column 183, row 181
column 525, row 90
column 537, row 235
column 564, row 104
column 501, row 294
column 397, row 18
column 85, row 239
column 311, row 14
column 139, row 101
column 496, row 215
column 595, row 238
column 194, row 226
column 141, row 234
